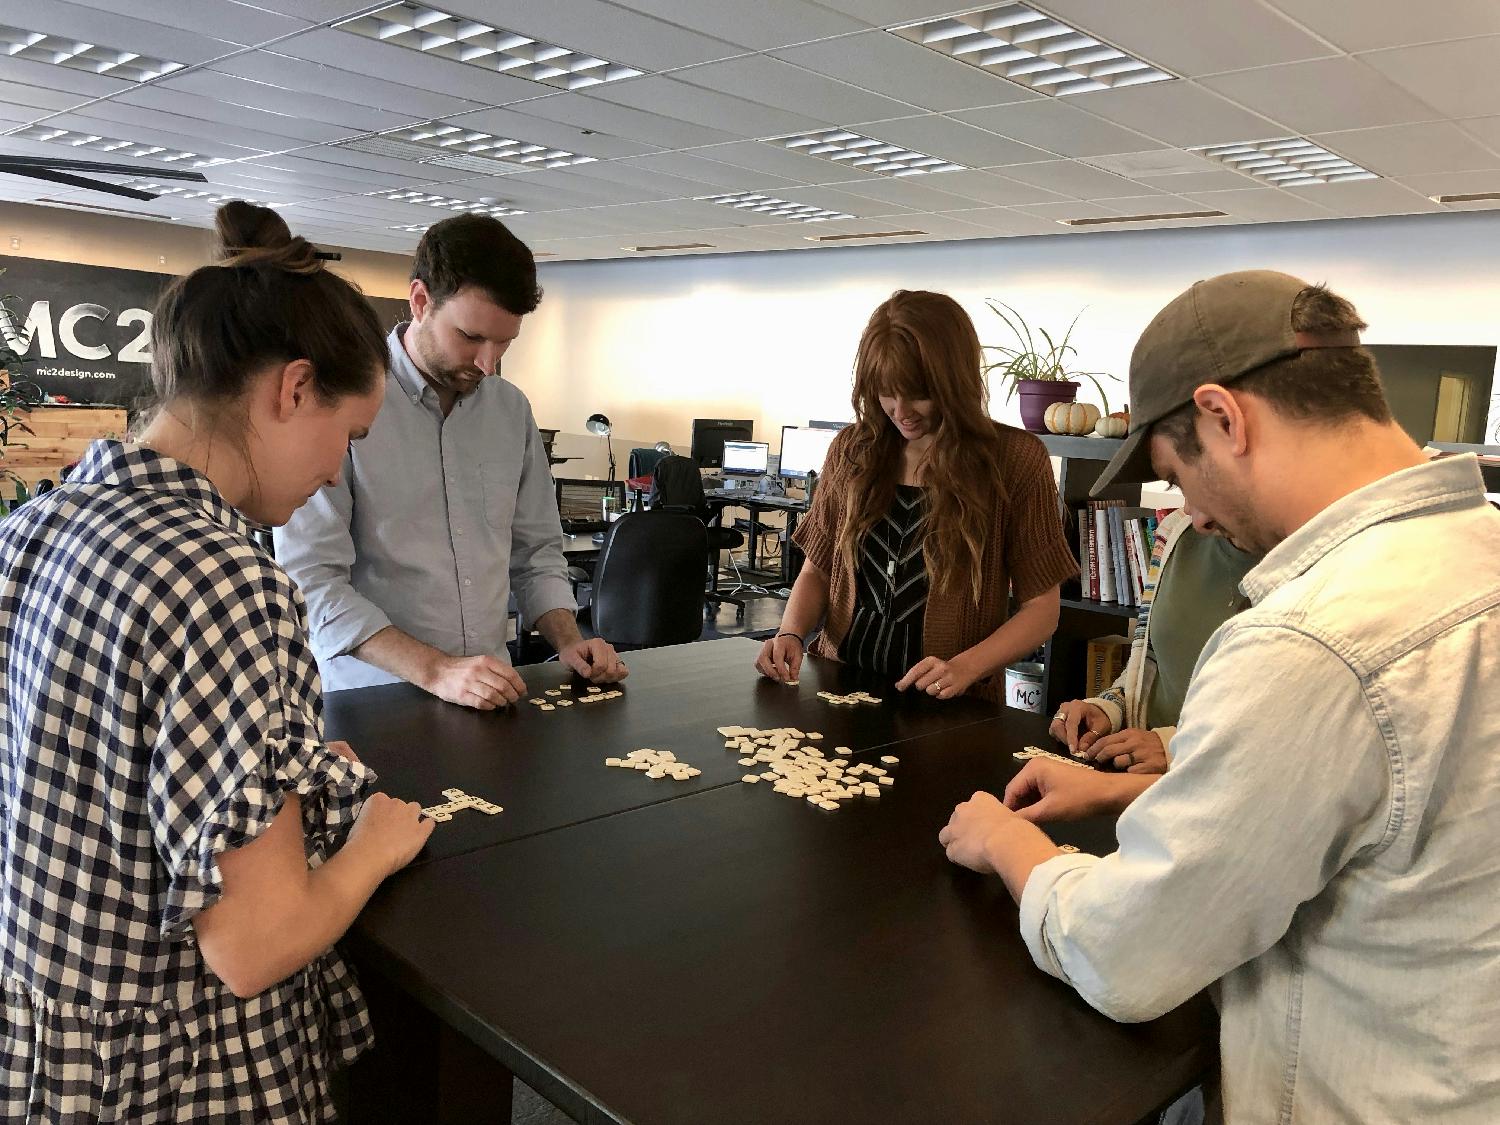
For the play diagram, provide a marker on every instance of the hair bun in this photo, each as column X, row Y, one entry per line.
column 250, row 235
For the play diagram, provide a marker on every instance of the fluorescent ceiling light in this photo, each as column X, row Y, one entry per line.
column 447, row 203
column 1287, row 162
column 1468, row 197
column 871, row 234
column 457, row 141
column 92, row 58
column 48, row 135
column 482, row 45
column 857, row 151
column 177, row 191
column 413, row 228
column 1109, row 220
column 768, row 205
column 1031, row 48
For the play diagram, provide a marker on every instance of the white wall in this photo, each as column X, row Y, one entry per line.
column 771, row 336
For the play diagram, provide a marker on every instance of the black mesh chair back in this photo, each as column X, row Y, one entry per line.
column 648, row 584
column 643, row 461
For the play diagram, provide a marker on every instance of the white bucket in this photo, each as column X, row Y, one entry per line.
column 1023, row 687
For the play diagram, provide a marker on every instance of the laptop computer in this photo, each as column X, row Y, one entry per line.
column 580, row 503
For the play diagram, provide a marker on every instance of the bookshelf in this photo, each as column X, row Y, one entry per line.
column 1081, row 618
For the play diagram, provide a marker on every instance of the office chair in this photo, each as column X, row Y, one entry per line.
column 643, row 461
column 647, row 582
column 676, row 486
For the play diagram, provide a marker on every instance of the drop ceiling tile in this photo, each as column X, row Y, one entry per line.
column 1487, row 129
column 60, row 79
column 1004, row 221
column 769, row 81
column 566, row 184
column 367, row 163
column 348, row 51
column 670, row 97
column 107, row 28
column 1183, row 114
column 1066, row 209
column 332, row 82
column 1058, row 125
column 291, row 128
column 879, row 13
column 1358, row 25
column 604, row 29
column 318, row 10
column 756, row 26
column 43, row 99
column 1367, row 197
column 324, row 162
column 919, row 193
column 219, row 19
column 1450, row 77
column 534, row 130
column 1219, row 179
column 1454, row 183
column 722, row 176
column 1201, row 37
column 660, row 185
column 1400, row 150
column 899, row 68
column 1319, row 97
column 288, row 103
column 952, row 140
column 1262, row 205
column 622, row 121
column 1067, row 177
column 760, row 156
column 985, row 187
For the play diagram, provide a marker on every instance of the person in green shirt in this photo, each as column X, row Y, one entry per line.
column 1192, row 587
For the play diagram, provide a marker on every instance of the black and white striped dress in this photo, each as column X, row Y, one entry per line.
column 158, row 702
column 890, row 590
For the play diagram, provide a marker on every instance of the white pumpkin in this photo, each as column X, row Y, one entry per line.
column 1071, row 417
column 1113, row 426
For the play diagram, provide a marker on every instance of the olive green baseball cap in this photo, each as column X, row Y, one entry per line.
column 1218, row 331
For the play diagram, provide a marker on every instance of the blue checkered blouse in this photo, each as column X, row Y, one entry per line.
column 157, row 699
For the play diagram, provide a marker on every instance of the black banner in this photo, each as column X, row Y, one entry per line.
column 84, row 332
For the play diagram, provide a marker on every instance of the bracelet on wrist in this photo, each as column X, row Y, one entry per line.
column 795, row 636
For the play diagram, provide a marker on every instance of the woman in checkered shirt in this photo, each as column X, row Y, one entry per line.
column 179, row 846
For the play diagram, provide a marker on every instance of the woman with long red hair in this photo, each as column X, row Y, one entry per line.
column 929, row 516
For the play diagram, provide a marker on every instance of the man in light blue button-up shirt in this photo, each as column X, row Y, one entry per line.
column 408, row 563
column 1322, row 850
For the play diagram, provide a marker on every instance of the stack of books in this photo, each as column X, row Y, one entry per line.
column 1114, row 550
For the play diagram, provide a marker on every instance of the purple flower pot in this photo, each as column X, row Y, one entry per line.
column 1037, row 395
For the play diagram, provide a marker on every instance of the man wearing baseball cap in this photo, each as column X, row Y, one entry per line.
column 1323, row 849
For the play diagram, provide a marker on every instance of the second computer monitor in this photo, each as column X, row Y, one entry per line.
column 803, row 450
column 710, row 434
column 746, row 458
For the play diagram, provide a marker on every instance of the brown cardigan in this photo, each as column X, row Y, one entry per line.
column 1026, row 553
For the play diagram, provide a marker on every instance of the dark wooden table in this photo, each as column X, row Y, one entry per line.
column 660, row 952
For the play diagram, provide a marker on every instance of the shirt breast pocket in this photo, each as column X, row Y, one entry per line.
column 499, row 481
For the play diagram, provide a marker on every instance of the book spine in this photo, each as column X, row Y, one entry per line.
column 1093, row 586
column 1085, row 527
column 1117, row 548
column 1106, row 556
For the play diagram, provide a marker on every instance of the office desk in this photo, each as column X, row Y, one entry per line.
column 755, row 504
column 679, row 953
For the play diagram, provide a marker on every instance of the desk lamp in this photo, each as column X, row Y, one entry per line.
column 599, row 424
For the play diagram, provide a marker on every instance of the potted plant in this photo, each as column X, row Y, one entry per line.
column 1038, row 366
column 17, row 397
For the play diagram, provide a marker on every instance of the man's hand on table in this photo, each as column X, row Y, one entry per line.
column 595, row 660
column 1131, row 750
column 481, row 682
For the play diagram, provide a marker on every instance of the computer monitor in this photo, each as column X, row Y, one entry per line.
column 710, row 434
column 746, row 458
column 580, row 502
column 802, row 450
column 817, row 425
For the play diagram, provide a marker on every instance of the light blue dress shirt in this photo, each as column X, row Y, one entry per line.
column 432, row 523
column 1324, row 845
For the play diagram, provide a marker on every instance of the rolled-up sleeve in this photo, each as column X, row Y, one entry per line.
column 317, row 550
column 538, row 570
column 1258, row 812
